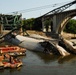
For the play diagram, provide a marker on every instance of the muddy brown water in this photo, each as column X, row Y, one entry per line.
column 36, row 63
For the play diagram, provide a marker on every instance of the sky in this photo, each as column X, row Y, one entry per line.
column 8, row 6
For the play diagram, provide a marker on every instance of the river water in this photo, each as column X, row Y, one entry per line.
column 36, row 63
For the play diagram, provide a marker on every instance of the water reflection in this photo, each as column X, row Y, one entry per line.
column 66, row 59
column 9, row 71
column 47, row 58
column 36, row 63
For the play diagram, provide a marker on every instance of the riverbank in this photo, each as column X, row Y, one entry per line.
column 68, row 35
column 64, row 34
column 36, row 32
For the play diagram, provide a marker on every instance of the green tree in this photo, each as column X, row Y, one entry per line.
column 47, row 22
column 28, row 23
column 71, row 26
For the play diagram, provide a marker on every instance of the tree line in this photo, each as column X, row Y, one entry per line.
column 34, row 24
column 31, row 24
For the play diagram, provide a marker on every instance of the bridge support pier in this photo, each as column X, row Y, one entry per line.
column 54, row 24
column 43, row 25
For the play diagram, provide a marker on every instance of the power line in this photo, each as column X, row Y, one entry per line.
column 38, row 8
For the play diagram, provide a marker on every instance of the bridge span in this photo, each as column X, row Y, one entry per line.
column 57, row 18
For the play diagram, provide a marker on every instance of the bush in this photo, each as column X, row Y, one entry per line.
column 71, row 26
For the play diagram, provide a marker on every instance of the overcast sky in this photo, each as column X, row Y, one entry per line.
column 8, row 6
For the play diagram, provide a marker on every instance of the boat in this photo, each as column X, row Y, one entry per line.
column 12, row 50
column 12, row 65
column 5, row 63
column 1, row 65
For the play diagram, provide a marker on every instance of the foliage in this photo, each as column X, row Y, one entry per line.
column 31, row 24
column 71, row 26
column 36, row 24
column 28, row 24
